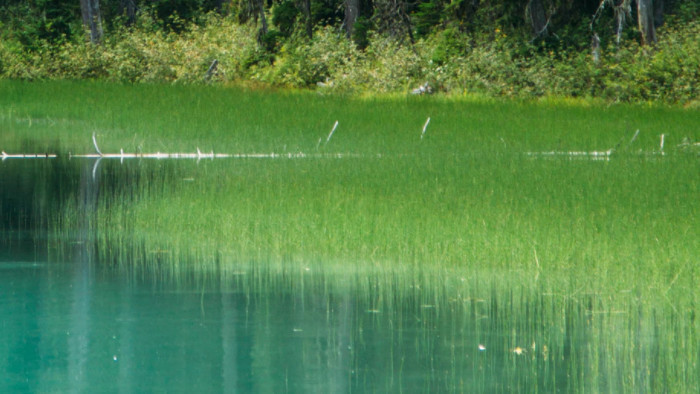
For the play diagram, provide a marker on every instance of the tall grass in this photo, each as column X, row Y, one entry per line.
column 463, row 196
column 578, row 255
column 154, row 117
column 586, row 227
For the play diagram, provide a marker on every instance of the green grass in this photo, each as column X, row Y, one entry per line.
column 580, row 255
column 154, row 117
column 464, row 197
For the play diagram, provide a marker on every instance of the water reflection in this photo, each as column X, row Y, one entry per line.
column 84, row 330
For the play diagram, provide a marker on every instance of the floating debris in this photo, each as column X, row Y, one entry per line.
column 482, row 347
column 6, row 156
column 518, row 350
column 592, row 155
column 686, row 145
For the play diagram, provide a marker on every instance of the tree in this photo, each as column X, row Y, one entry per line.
column 537, row 18
column 263, row 19
column 621, row 11
column 128, row 9
column 308, row 24
column 645, row 19
column 90, row 10
column 391, row 17
column 352, row 11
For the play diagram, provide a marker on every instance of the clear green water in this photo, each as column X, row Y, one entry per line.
column 88, row 306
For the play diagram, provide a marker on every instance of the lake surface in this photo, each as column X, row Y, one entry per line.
column 79, row 313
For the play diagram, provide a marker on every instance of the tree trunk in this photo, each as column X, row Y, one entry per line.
column 537, row 18
column 658, row 13
column 645, row 17
column 352, row 11
column 308, row 23
column 406, row 20
column 90, row 10
column 128, row 8
column 263, row 20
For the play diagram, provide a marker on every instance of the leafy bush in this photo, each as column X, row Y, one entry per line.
column 302, row 63
column 450, row 60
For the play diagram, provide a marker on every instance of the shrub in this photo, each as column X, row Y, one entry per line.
column 450, row 60
column 302, row 63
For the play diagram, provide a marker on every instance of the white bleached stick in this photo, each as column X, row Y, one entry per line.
column 94, row 141
column 634, row 137
column 425, row 127
column 335, row 126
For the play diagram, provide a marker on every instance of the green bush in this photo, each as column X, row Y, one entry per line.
column 303, row 63
column 450, row 60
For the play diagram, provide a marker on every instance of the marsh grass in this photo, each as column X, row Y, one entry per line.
column 597, row 260
column 153, row 118
column 462, row 196
column 554, row 227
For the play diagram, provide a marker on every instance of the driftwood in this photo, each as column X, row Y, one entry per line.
column 423, row 89
column 686, row 145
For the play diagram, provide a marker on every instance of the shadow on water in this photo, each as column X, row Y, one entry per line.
column 82, row 312
column 31, row 190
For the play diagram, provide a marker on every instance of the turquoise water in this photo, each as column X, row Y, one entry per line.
column 76, row 327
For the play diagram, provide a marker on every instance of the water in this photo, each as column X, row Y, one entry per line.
column 72, row 327
column 74, row 320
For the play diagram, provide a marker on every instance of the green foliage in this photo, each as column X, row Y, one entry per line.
column 284, row 16
column 176, row 15
column 687, row 11
column 361, row 31
column 448, row 44
column 303, row 63
column 326, row 12
column 271, row 40
column 32, row 22
column 453, row 60
column 427, row 17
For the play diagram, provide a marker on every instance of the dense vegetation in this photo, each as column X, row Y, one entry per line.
column 469, row 196
column 502, row 48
